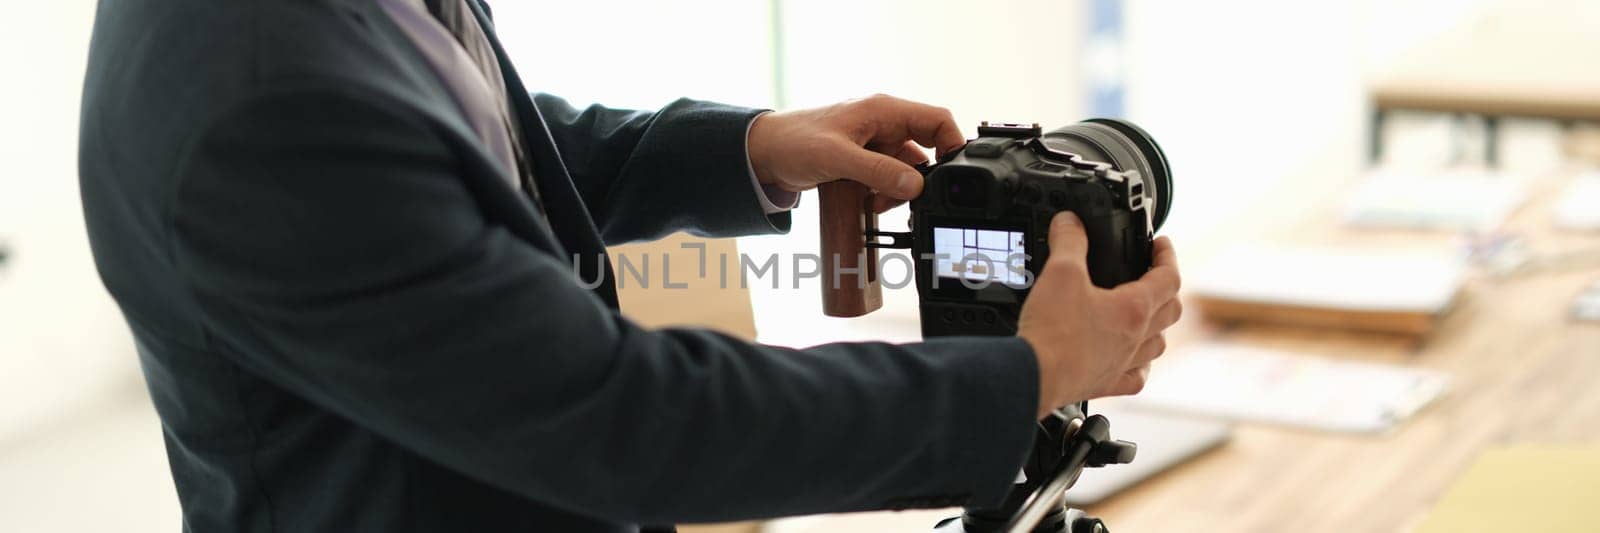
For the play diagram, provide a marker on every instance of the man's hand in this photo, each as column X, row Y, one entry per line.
column 874, row 140
column 1094, row 342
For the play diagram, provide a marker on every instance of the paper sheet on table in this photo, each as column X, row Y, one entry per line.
column 1452, row 200
column 1332, row 278
column 1549, row 489
column 1253, row 384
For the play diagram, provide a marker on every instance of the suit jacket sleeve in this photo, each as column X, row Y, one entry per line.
column 643, row 174
column 337, row 254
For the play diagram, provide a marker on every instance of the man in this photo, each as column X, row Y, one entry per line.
column 344, row 237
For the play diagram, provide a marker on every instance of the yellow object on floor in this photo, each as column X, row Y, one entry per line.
column 1549, row 489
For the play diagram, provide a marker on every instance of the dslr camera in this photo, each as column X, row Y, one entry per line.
column 980, row 230
column 979, row 236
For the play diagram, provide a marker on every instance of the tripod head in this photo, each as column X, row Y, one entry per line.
column 1066, row 443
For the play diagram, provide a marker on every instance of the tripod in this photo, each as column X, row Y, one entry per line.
column 1065, row 444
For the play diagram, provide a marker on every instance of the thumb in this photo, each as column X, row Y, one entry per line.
column 1068, row 242
column 885, row 174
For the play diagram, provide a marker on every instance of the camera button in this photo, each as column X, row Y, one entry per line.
column 968, row 317
column 1058, row 199
column 1030, row 193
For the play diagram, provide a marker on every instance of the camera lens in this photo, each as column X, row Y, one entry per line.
column 1126, row 147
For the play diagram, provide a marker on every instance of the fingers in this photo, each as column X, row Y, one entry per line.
column 893, row 129
column 881, row 203
column 1151, row 349
column 1130, row 382
column 1069, row 245
column 908, row 152
column 896, row 120
column 883, row 173
column 1163, row 266
column 1162, row 254
column 1161, row 283
column 1166, row 316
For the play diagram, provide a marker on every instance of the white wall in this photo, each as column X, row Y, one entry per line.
column 641, row 54
column 80, row 448
column 1242, row 94
column 63, row 345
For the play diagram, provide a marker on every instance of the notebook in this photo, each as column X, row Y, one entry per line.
column 1548, row 489
column 1395, row 290
column 1461, row 200
column 1246, row 383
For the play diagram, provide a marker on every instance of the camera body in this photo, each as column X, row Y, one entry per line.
column 980, row 230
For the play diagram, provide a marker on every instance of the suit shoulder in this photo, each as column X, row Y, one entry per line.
column 195, row 56
column 160, row 73
column 160, row 70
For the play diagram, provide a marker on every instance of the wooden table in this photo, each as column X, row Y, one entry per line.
column 1523, row 373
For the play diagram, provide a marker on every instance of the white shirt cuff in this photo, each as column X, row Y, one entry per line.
column 773, row 199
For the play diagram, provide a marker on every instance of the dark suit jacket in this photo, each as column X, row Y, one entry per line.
column 350, row 320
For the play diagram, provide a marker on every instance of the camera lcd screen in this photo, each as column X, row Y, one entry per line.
column 980, row 255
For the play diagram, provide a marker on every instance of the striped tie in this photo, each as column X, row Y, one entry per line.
column 457, row 17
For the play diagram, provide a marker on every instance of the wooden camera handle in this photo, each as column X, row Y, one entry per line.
column 850, row 285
